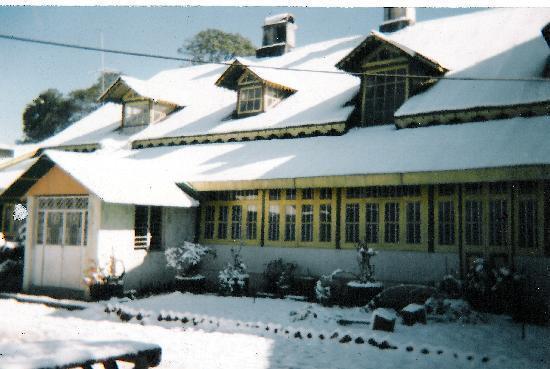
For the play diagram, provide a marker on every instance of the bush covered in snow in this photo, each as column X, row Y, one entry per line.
column 501, row 290
column 441, row 309
column 234, row 277
column 333, row 289
column 186, row 258
column 105, row 280
column 279, row 277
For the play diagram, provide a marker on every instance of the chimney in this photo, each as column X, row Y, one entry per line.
column 279, row 35
column 397, row 18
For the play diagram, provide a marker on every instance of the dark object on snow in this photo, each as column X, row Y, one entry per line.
column 194, row 284
column 425, row 351
column 345, row 339
column 309, row 335
column 372, row 342
column 409, row 348
column 439, row 352
column 360, row 295
column 413, row 313
column 383, row 323
column 386, row 345
column 485, row 359
column 298, row 335
column 321, row 337
column 126, row 317
column 350, row 322
column 334, row 335
column 359, row 340
column 400, row 296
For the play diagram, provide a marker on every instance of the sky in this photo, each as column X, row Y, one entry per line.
column 28, row 69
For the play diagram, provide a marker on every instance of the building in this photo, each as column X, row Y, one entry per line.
column 431, row 147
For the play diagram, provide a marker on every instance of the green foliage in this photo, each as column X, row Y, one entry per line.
column 43, row 117
column 213, row 45
column 51, row 112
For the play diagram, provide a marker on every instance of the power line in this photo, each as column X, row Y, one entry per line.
column 165, row 57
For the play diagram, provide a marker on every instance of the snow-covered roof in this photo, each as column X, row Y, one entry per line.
column 497, row 43
column 362, row 151
column 121, row 181
column 13, row 172
column 320, row 97
column 170, row 91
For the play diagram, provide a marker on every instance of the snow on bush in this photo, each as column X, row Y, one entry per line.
column 452, row 310
column 20, row 212
column 234, row 277
column 110, row 273
column 364, row 256
column 323, row 291
column 186, row 259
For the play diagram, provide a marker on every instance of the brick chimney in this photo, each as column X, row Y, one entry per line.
column 279, row 35
column 397, row 18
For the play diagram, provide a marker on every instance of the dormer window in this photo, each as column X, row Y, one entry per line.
column 255, row 94
column 250, row 99
column 136, row 113
column 383, row 93
column 142, row 103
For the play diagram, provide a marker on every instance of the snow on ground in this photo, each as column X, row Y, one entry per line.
column 231, row 333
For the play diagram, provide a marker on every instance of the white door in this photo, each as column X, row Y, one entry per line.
column 61, row 233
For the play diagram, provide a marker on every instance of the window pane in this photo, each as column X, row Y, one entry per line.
column 391, row 226
column 372, row 217
column 352, row 223
column 273, row 223
column 222, row 222
column 209, row 222
column 527, row 236
column 473, row 222
column 290, row 223
column 54, row 230
column 155, row 227
column 307, row 223
column 446, row 223
column 325, row 223
column 73, row 228
column 413, row 222
column 236, row 217
column 40, row 228
column 498, row 216
column 251, row 222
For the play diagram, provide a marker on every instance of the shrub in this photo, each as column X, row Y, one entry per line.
column 234, row 278
column 279, row 277
column 332, row 288
column 186, row 259
column 105, row 281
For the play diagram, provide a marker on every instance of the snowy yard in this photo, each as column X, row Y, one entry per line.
column 226, row 332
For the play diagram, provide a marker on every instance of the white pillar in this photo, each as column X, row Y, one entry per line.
column 29, row 242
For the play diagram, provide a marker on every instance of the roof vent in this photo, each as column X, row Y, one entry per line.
column 279, row 35
column 397, row 18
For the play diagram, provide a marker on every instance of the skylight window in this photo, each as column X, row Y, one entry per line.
column 250, row 99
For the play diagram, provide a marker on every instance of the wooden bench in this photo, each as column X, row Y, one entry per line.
column 78, row 354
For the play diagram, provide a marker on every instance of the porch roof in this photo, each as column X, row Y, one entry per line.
column 119, row 181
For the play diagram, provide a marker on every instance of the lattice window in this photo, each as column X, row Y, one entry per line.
column 222, row 222
column 251, row 222
column 236, row 219
column 384, row 93
column 498, row 216
column 273, row 223
column 446, row 217
column 473, row 222
column 325, row 223
column 352, row 223
column 209, row 218
column 250, row 99
column 290, row 223
column 391, row 220
column 413, row 222
column 307, row 223
column 527, row 235
column 372, row 219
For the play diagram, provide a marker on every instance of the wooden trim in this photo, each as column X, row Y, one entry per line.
column 513, row 173
column 460, row 232
column 262, row 222
column 472, row 114
column 431, row 219
column 239, row 136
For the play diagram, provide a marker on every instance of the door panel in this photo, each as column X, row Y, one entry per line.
column 53, row 262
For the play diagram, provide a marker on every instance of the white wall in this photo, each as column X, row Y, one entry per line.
column 143, row 268
column 390, row 266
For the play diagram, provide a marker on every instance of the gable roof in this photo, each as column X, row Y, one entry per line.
column 496, row 43
column 167, row 93
column 113, row 180
column 320, row 98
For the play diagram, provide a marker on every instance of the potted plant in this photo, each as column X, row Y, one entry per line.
column 106, row 281
column 185, row 260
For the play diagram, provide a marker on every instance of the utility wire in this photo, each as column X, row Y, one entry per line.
column 165, row 57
